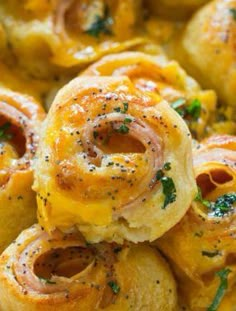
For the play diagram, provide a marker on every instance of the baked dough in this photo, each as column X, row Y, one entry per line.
column 64, row 273
column 20, row 119
column 203, row 242
column 113, row 161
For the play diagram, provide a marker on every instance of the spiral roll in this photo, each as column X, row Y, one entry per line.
column 40, row 272
column 206, row 234
column 165, row 78
column 208, row 48
column 20, row 118
column 44, row 36
column 112, row 161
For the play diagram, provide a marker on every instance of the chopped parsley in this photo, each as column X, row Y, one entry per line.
column 223, row 275
column 114, row 286
column 200, row 199
column 167, row 166
column 233, row 13
column 192, row 111
column 3, row 130
column 127, row 120
column 222, row 205
column 168, row 185
column 123, row 129
column 101, row 24
column 124, row 110
column 46, row 281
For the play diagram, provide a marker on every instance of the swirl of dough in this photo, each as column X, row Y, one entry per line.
column 206, row 234
column 208, row 48
column 40, row 272
column 113, row 161
column 20, row 118
column 166, row 78
column 41, row 34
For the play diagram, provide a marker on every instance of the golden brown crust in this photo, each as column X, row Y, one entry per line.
column 209, row 48
column 102, row 145
column 203, row 242
column 20, row 119
column 156, row 74
column 39, row 272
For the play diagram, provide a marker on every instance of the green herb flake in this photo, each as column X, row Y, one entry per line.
column 233, row 13
column 167, row 166
column 200, row 199
column 123, row 129
column 124, row 110
column 168, row 185
column 46, row 281
column 223, row 204
column 159, row 175
column 223, row 275
column 101, row 24
column 127, row 120
column 3, row 129
column 210, row 254
column 169, row 190
column 194, row 109
column 114, row 286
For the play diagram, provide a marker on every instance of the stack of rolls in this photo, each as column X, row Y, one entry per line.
column 112, row 167
column 124, row 200
column 202, row 245
column 20, row 119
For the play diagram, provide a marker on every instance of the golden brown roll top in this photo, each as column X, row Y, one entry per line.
column 42, row 35
column 156, row 74
column 113, row 161
column 202, row 245
column 209, row 48
column 20, row 119
column 40, row 272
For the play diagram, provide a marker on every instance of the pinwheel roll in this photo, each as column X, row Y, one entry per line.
column 209, row 48
column 42, row 35
column 202, row 245
column 39, row 272
column 166, row 78
column 20, row 117
column 113, row 161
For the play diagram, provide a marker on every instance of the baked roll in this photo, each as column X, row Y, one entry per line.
column 44, row 36
column 165, row 78
column 113, row 161
column 208, row 45
column 202, row 245
column 40, row 272
column 20, row 119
